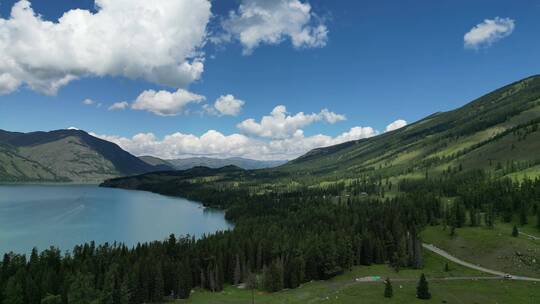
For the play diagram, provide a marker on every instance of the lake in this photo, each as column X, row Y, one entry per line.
column 64, row 216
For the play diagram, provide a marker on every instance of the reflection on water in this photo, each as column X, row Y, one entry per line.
column 64, row 216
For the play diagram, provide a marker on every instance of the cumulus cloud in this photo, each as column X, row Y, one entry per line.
column 165, row 103
column 225, row 105
column 281, row 125
column 400, row 123
column 228, row 105
column 158, row 41
column 119, row 106
column 258, row 22
column 8, row 83
column 215, row 144
column 488, row 32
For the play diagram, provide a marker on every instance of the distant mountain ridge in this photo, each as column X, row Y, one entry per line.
column 64, row 156
column 191, row 162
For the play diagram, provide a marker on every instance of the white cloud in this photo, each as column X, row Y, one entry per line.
column 259, row 22
column 400, row 123
column 158, row 41
column 488, row 32
column 119, row 106
column 88, row 102
column 215, row 144
column 228, row 105
column 8, row 83
column 281, row 125
column 165, row 103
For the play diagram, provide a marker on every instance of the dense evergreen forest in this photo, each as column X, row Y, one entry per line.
column 280, row 240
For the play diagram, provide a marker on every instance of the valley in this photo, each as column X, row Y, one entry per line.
column 321, row 227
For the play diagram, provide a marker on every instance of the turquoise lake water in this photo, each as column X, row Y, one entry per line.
column 64, row 216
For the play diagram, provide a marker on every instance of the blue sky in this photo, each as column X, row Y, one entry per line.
column 378, row 61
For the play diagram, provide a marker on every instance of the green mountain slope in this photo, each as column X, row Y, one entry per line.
column 63, row 155
column 14, row 167
column 498, row 132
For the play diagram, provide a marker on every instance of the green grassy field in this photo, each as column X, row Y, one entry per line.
column 481, row 292
column 344, row 288
column 491, row 248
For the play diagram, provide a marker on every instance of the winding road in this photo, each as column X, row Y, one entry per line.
column 532, row 237
column 454, row 259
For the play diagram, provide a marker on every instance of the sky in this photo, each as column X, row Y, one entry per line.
column 262, row 79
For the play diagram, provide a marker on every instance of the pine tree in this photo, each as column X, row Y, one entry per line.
column 273, row 277
column 109, row 286
column 388, row 291
column 124, row 294
column 14, row 292
column 81, row 290
column 460, row 214
column 515, row 231
column 184, row 280
column 237, row 271
column 32, row 291
column 538, row 217
column 158, row 285
column 446, row 267
column 259, row 257
column 473, row 217
column 490, row 217
column 220, row 276
column 523, row 220
column 251, row 284
column 134, row 286
column 296, row 272
column 422, row 290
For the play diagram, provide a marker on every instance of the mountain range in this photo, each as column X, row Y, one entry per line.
column 498, row 133
column 188, row 163
column 76, row 156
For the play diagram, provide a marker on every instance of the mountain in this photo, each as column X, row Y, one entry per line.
column 64, row 156
column 158, row 163
column 188, row 163
column 498, row 133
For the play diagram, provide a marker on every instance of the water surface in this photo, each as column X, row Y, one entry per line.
column 64, row 216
